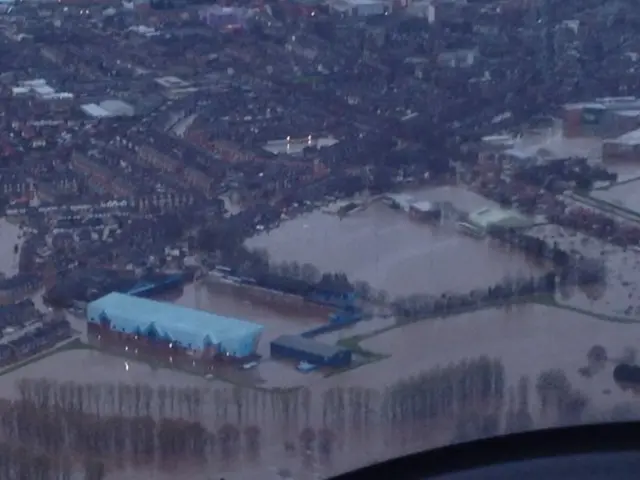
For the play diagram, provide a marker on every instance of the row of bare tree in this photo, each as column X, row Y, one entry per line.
column 558, row 403
column 55, row 430
column 454, row 386
column 126, row 422
column 114, row 399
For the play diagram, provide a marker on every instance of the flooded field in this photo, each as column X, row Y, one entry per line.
column 527, row 338
column 620, row 295
column 393, row 253
column 9, row 238
column 275, row 321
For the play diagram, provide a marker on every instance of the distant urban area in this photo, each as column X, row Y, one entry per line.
column 286, row 238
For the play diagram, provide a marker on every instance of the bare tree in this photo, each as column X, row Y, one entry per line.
column 596, row 358
column 326, row 444
column 552, row 387
column 253, row 442
column 229, row 441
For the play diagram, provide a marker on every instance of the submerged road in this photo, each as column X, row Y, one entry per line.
column 612, row 210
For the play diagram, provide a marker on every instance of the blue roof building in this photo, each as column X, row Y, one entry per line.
column 189, row 328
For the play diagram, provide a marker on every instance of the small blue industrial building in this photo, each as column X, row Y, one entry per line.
column 303, row 349
column 174, row 325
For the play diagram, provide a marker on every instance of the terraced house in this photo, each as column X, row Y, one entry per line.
column 17, row 288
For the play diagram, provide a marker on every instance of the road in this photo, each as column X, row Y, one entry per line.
column 9, row 337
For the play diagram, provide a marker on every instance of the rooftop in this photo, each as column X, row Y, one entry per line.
column 356, row 3
column 293, row 146
column 424, row 206
column 607, row 103
column 629, row 138
column 108, row 108
column 628, row 113
column 551, row 144
column 117, row 108
column 487, row 217
column 95, row 110
column 186, row 325
column 171, row 82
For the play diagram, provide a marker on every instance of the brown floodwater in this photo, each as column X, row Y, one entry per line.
column 619, row 296
column 392, row 252
column 277, row 319
column 527, row 339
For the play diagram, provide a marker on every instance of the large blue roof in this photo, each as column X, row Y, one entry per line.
column 181, row 324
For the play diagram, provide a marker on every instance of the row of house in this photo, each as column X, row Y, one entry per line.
column 35, row 341
column 17, row 315
column 18, row 288
column 191, row 176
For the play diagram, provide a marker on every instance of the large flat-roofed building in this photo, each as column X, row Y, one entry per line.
column 425, row 211
column 488, row 218
column 165, row 323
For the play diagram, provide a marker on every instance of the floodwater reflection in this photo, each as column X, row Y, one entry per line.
column 521, row 371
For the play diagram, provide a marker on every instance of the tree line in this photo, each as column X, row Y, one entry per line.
column 568, row 269
column 469, row 387
column 296, row 278
column 304, row 279
column 417, row 306
column 82, row 422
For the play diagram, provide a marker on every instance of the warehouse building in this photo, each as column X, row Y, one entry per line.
column 425, row 211
column 480, row 222
column 497, row 217
column 302, row 349
column 186, row 329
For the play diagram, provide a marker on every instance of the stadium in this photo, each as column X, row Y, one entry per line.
column 172, row 328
